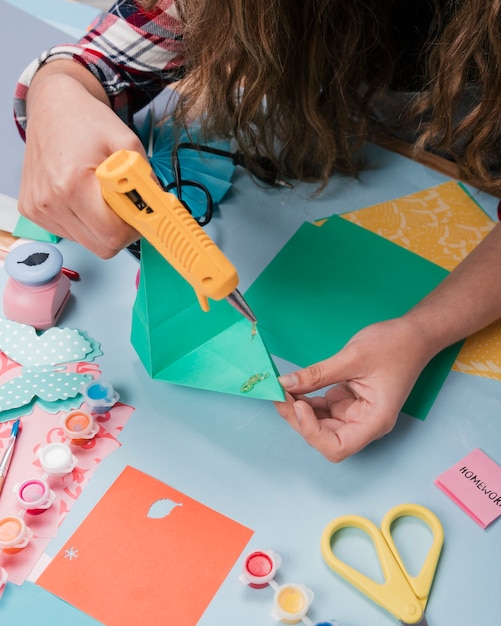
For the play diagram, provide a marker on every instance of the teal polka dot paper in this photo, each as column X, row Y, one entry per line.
column 43, row 359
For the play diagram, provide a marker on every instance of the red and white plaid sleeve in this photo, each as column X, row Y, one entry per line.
column 133, row 53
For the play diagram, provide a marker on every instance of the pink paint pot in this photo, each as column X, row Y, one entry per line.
column 34, row 495
column 14, row 534
column 79, row 426
column 259, row 568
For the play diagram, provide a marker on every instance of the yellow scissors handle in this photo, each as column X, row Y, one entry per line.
column 421, row 584
column 397, row 593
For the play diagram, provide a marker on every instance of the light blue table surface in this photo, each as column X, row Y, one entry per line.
column 67, row 16
column 235, row 454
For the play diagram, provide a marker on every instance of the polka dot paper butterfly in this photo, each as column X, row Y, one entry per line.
column 48, row 367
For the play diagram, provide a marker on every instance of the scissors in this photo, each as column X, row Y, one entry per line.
column 402, row 595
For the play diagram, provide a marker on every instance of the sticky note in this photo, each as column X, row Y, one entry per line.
column 146, row 554
column 474, row 484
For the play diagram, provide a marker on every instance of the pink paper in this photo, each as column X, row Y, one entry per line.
column 39, row 429
column 474, row 484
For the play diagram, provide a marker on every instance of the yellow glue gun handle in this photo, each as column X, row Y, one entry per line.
column 167, row 225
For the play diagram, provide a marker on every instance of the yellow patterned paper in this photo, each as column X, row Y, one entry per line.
column 442, row 224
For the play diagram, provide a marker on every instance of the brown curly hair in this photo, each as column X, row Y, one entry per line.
column 463, row 101
column 293, row 81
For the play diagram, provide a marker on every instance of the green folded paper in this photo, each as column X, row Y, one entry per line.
column 329, row 282
column 179, row 343
column 27, row 229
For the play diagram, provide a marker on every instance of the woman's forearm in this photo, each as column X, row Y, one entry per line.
column 466, row 301
column 59, row 75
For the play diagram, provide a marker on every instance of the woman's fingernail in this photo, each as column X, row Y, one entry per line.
column 288, row 381
column 298, row 410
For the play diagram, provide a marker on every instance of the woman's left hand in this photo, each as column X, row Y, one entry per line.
column 367, row 383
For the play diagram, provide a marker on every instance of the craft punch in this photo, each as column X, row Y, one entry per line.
column 37, row 289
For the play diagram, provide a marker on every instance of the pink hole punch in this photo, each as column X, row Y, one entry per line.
column 37, row 289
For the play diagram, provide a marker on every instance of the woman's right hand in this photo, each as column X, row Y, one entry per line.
column 71, row 129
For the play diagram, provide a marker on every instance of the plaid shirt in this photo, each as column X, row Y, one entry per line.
column 133, row 53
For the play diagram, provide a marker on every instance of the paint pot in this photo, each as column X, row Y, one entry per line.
column 14, row 534
column 34, row 495
column 57, row 459
column 99, row 396
column 36, row 290
column 259, row 568
column 79, row 426
column 291, row 603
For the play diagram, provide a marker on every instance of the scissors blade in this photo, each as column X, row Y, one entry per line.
column 422, row 622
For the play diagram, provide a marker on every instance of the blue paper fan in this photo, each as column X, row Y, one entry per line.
column 211, row 170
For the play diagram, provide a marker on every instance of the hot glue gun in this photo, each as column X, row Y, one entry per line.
column 131, row 191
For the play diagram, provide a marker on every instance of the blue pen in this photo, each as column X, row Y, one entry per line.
column 9, row 451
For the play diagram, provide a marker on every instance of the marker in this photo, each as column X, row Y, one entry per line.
column 71, row 274
column 9, row 451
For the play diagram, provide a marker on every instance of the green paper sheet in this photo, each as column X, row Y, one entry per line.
column 26, row 229
column 179, row 343
column 330, row 281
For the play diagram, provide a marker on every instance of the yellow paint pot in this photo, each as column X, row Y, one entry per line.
column 291, row 603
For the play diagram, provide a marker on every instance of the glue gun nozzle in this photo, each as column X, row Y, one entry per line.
column 236, row 300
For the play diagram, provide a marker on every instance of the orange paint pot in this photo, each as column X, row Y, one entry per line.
column 79, row 426
column 14, row 534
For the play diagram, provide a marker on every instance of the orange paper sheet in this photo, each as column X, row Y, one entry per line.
column 442, row 224
column 146, row 554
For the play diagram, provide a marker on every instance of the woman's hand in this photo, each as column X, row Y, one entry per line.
column 71, row 130
column 367, row 383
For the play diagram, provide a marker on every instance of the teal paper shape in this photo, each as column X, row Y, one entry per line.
column 26, row 229
column 329, row 282
column 48, row 384
column 179, row 343
column 43, row 378
column 23, row 344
